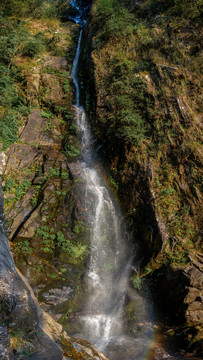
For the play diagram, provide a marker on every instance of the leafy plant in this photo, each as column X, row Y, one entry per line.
column 72, row 151
column 47, row 114
column 114, row 183
column 32, row 47
column 76, row 250
column 137, row 282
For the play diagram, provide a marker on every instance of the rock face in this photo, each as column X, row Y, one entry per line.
column 42, row 196
column 194, row 298
column 34, row 330
column 143, row 95
column 18, row 310
column 43, row 207
column 5, row 350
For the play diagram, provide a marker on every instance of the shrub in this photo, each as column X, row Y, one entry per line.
column 47, row 10
column 137, row 282
column 32, row 48
column 8, row 129
column 76, row 250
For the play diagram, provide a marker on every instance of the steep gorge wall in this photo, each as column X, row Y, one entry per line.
column 144, row 102
column 43, row 199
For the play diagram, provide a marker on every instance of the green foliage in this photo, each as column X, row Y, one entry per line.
column 12, row 99
column 60, row 193
column 51, row 241
column 54, row 172
column 16, row 190
column 48, row 10
column 114, row 183
column 113, row 21
column 48, row 237
column 71, row 151
column 20, row 8
column 9, row 185
column 32, row 47
column 77, row 251
column 13, row 105
column 132, row 127
column 8, row 129
column 104, row 9
column 25, row 247
column 22, row 189
column 66, row 86
column 148, row 270
column 15, row 39
column 47, row 114
column 79, row 228
column 137, row 282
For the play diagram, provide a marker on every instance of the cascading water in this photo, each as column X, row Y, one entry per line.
column 110, row 259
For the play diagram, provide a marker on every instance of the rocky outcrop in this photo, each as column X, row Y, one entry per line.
column 194, row 298
column 19, row 312
column 177, row 298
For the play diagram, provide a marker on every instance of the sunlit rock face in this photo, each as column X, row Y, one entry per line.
column 157, row 166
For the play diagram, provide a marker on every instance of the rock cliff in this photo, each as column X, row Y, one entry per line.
column 143, row 96
column 143, row 60
column 43, row 208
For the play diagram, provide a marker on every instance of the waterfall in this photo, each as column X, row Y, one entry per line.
column 110, row 259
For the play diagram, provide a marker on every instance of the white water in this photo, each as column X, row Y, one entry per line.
column 110, row 262
column 107, row 277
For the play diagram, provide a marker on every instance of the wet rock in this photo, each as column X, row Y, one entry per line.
column 81, row 348
column 133, row 348
column 56, row 296
column 45, row 349
column 180, row 289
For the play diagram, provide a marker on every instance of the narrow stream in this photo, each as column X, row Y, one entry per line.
column 110, row 259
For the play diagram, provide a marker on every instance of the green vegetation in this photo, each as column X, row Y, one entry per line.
column 16, row 190
column 37, row 8
column 52, row 241
column 72, row 152
column 147, row 78
column 77, row 251
column 137, row 282
column 17, row 39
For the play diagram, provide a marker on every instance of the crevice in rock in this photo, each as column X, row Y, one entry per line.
column 24, row 221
